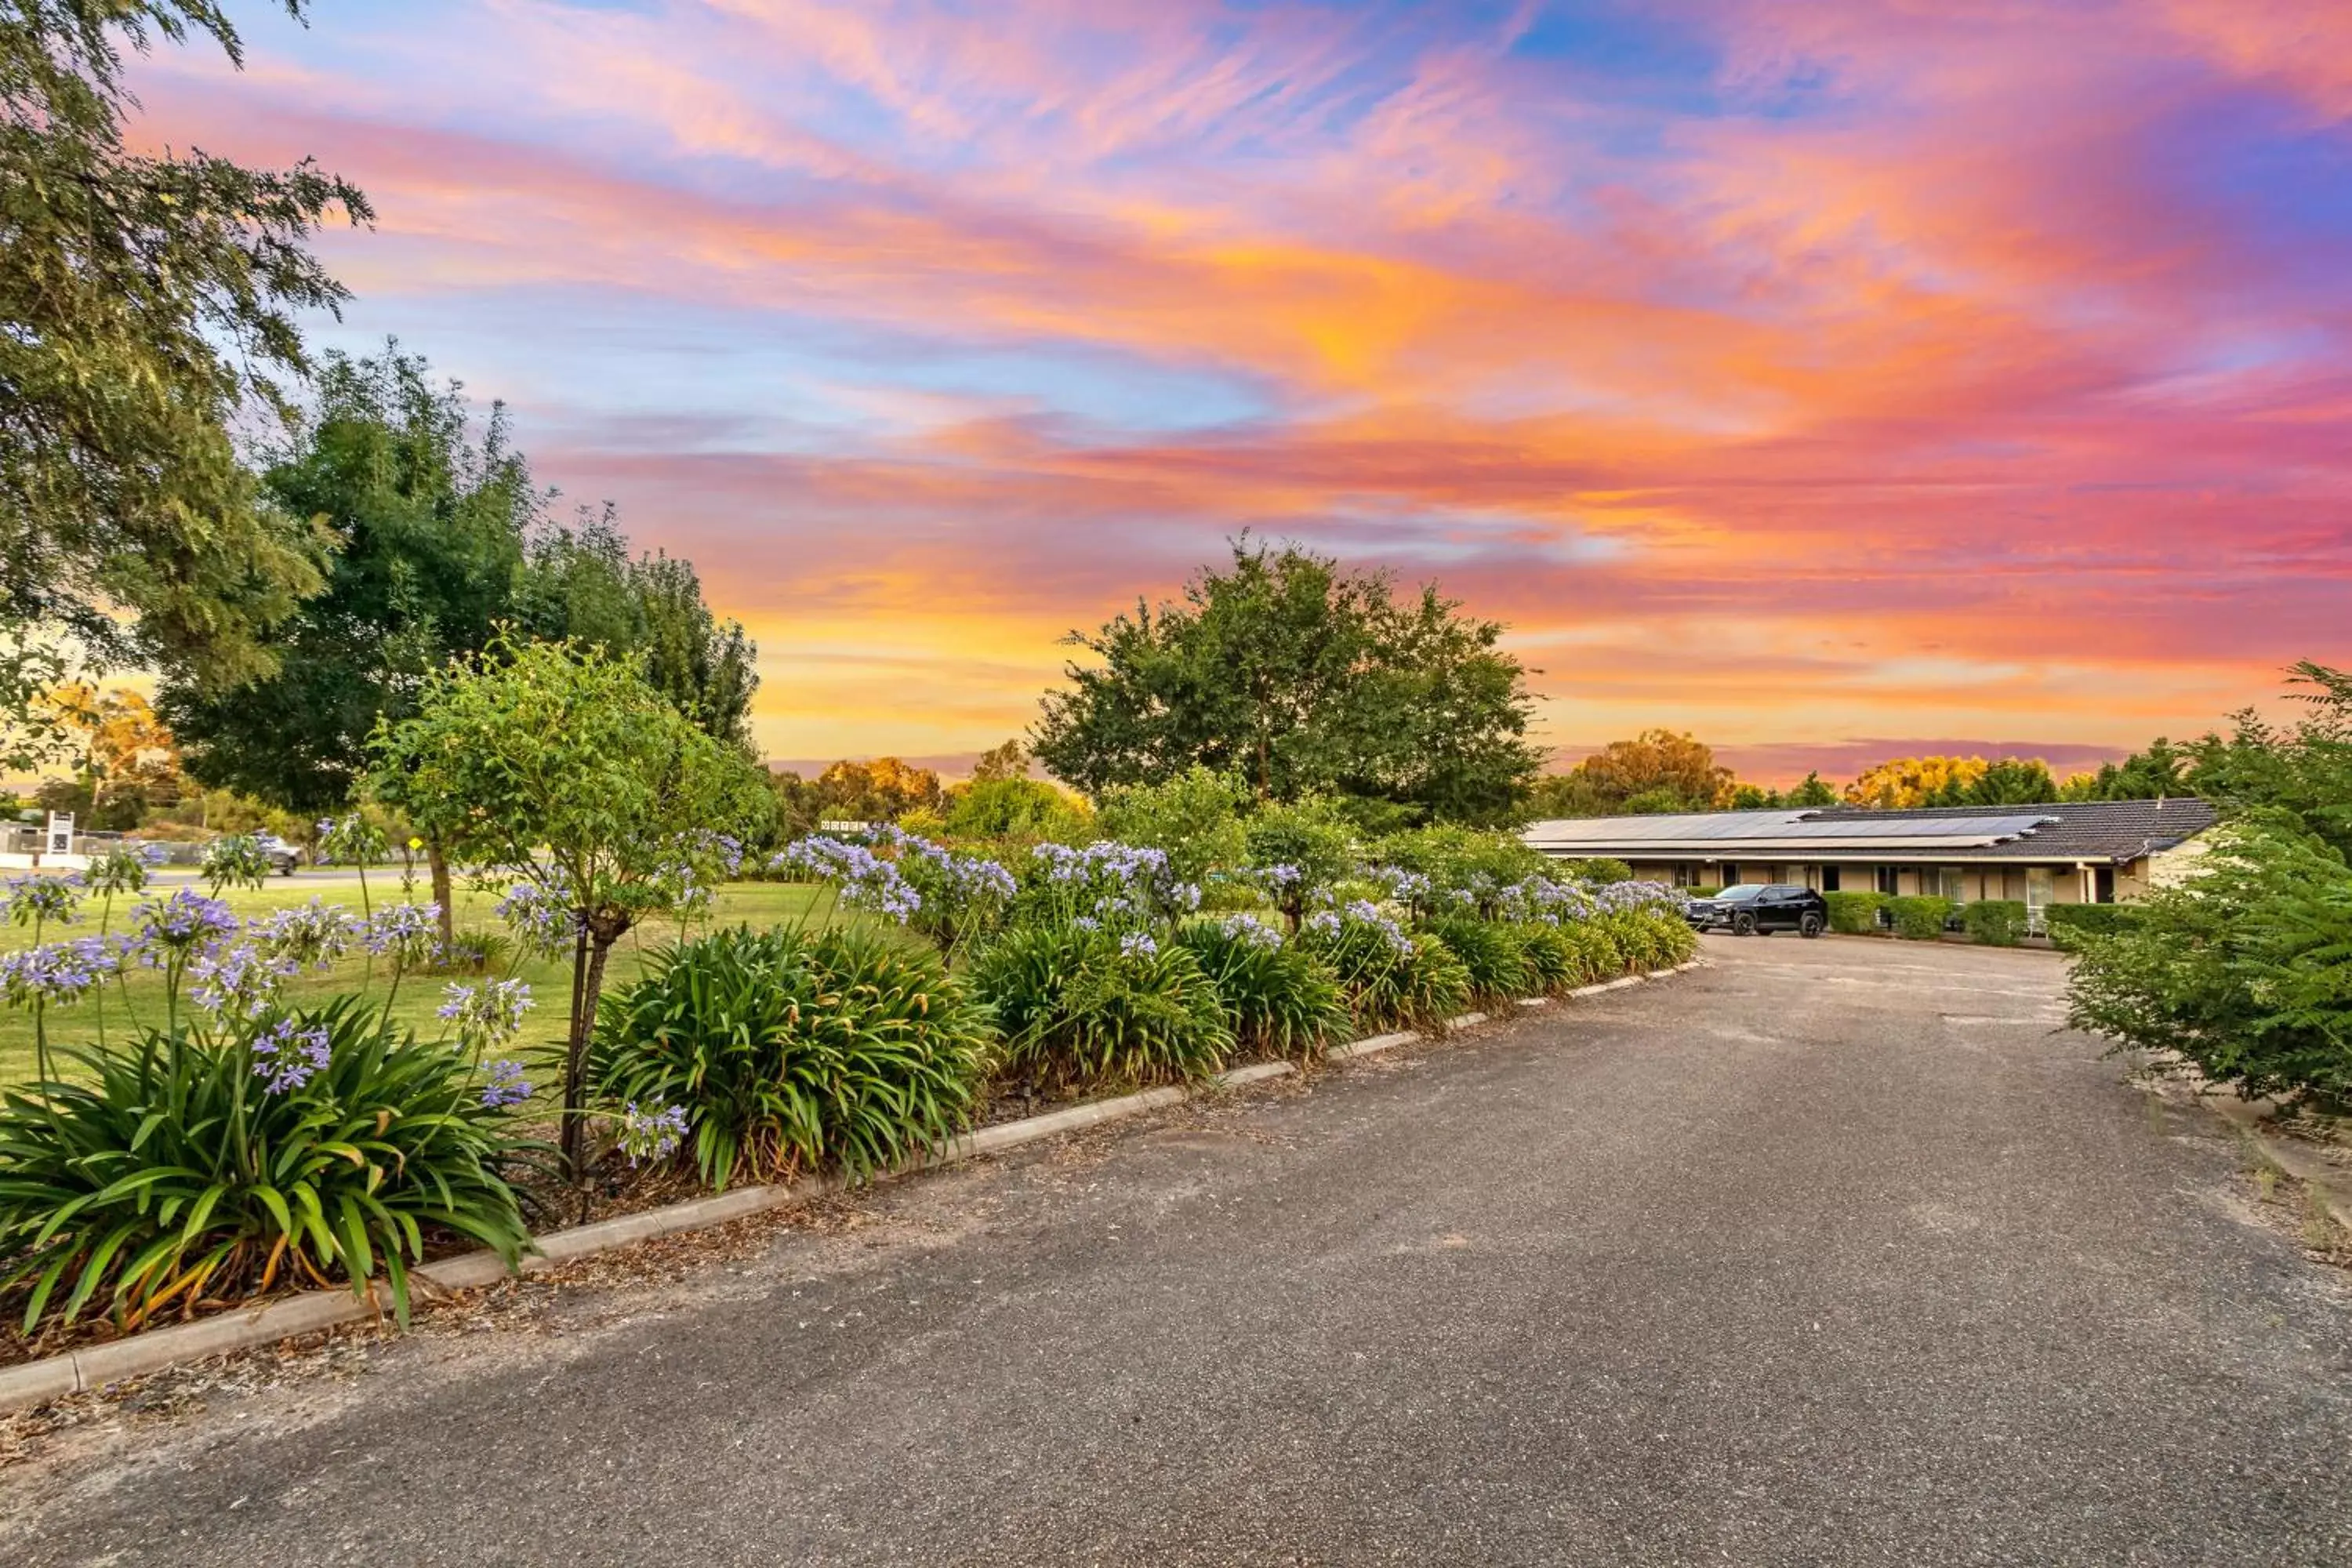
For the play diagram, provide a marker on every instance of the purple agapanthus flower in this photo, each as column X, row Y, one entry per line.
column 287, row 1057
column 37, row 899
column 1138, row 944
column 56, row 973
column 506, row 1086
column 239, row 981
column 489, row 1015
column 648, row 1137
column 165, row 930
column 312, row 935
column 408, row 934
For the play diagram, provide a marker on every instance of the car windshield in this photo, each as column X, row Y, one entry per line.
column 1739, row 894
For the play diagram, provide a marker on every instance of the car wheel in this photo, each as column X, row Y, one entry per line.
column 1743, row 924
column 1811, row 926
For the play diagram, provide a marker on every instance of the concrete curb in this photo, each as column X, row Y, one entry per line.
column 2333, row 1184
column 82, row 1370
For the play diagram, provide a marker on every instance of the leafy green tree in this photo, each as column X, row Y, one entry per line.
column 2163, row 772
column 1008, row 760
column 1018, row 809
column 1754, row 797
column 1303, row 678
column 1194, row 818
column 2302, row 771
column 1658, row 771
column 1812, row 791
column 2010, row 780
column 429, row 529
column 145, row 303
column 1298, row 849
column 562, row 768
column 580, row 582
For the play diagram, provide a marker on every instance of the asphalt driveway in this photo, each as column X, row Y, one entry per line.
column 1833, row 1253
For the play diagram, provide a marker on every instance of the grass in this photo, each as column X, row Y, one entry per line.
column 757, row 904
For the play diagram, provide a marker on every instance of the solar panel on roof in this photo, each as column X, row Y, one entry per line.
column 1750, row 828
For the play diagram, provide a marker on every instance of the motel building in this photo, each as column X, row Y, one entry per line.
column 2097, row 852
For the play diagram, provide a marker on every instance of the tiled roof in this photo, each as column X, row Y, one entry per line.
column 2082, row 830
column 2090, row 830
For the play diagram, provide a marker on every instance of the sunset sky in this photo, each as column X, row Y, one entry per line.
column 1827, row 379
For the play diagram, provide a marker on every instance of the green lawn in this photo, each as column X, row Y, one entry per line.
column 756, row 904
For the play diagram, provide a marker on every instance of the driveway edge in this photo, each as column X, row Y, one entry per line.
column 82, row 1370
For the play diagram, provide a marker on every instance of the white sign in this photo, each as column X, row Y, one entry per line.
column 60, row 838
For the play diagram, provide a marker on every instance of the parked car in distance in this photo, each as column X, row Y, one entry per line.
column 282, row 856
column 1758, row 909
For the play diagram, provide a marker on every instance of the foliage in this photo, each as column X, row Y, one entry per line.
column 1996, row 923
column 1657, row 771
column 2069, row 920
column 2164, row 771
column 1195, row 819
column 1297, row 850
column 539, row 747
column 130, row 758
column 1490, row 952
column 1007, row 760
column 1086, row 1005
column 2245, row 971
column 962, row 896
column 579, row 582
column 2304, row 770
column 791, row 1052
column 1603, row 870
column 189, row 1167
column 1854, row 913
column 1648, row 940
column 1106, row 884
column 1388, row 975
column 1596, row 942
column 1461, row 868
column 1017, row 810
column 428, row 526
column 1920, row 919
column 1904, row 783
column 1304, row 678
column 146, row 302
column 234, row 861
column 1278, row 997
column 1555, row 961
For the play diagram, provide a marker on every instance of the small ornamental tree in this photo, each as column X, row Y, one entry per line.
column 565, row 769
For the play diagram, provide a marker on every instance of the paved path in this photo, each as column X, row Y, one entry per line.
column 1830, row 1254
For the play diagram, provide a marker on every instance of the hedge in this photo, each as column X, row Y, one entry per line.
column 1854, row 914
column 2102, row 919
column 1920, row 919
column 1701, row 892
column 1996, row 923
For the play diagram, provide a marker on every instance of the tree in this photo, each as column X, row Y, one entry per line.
column 881, row 790
column 129, row 759
column 1303, row 678
column 563, row 768
column 1017, row 809
column 2163, row 772
column 580, row 582
column 1755, row 797
column 428, row 526
column 145, row 304
column 2301, row 772
column 1656, row 771
column 1904, row 783
column 2013, row 781
column 1008, row 760
column 1812, row 791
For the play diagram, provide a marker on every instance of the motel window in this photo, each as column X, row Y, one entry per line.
column 1731, row 874
column 1828, row 879
column 1951, row 885
column 1888, row 881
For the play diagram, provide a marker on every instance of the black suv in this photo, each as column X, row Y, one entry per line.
column 1752, row 908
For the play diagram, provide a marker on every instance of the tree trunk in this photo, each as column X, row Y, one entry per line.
column 435, row 857
column 588, row 978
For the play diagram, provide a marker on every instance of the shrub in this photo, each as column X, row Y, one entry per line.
column 1603, row 871
column 1996, row 923
column 1084, row 1004
column 2070, row 920
column 1491, row 953
column 790, row 1051
column 1702, row 893
column 1854, row 914
column 1647, row 939
column 2241, row 971
column 320, row 1146
column 1555, row 961
column 1194, row 818
column 1388, row 977
column 1279, row 996
column 1603, row 959
column 1920, row 919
